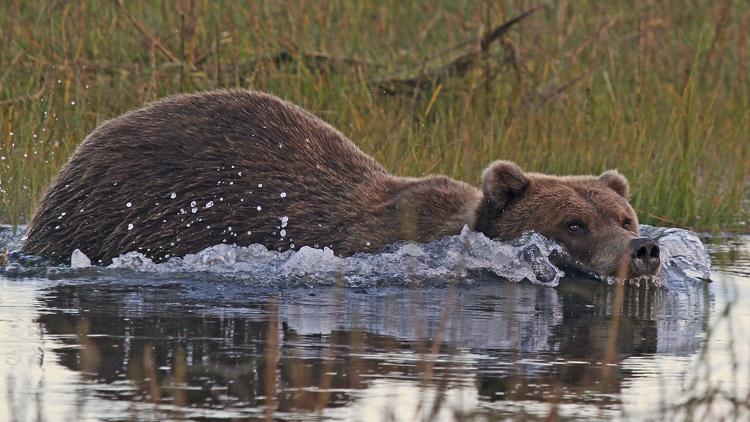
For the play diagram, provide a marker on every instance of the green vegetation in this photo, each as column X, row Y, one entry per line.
column 657, row 89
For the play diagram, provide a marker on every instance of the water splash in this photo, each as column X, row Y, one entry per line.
column 455, row 257
column 683, row 254
column 465, row 257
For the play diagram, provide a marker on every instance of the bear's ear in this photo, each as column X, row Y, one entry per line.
column 614, row 180
column 502, row 182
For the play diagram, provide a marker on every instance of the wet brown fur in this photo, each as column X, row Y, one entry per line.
column 242, row 149
column 548, row 204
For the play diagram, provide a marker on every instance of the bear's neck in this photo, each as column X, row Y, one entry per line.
column 421, row 210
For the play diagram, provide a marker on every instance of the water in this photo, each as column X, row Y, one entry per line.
column 424, row 332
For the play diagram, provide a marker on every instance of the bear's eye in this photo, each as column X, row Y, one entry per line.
column 627, row 223
column 576, row 226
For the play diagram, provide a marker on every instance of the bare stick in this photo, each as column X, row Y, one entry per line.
column 29, row 97
column 458, row 66
column 550, row 93
column 142, row 29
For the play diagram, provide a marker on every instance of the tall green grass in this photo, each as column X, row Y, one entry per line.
column 657, row 89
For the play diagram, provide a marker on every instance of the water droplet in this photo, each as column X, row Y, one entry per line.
column 129, row 205
column 260, row 185
column 239, row 173
column 130, row 226
column 209, row 204
column 291, row 246
column 192, row 204
column 282, row 232
column 367, row 243
column 283, row 194
column 258, row 208
column 194, row 210
column 173, row 195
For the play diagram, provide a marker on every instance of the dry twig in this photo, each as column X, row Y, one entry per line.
column 458, row 66
column 552, row 92
column 142, row 29
column 30, row 97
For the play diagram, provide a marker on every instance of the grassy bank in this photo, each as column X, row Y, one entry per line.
column 657, row 89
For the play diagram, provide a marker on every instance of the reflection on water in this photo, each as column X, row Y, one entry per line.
column 153, row 349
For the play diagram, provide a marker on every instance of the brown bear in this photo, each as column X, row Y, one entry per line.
column 242, row 167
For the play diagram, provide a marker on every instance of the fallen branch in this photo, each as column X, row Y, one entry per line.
column 548, row 94
column 593, row 38
column 30, row 97
column 312, row 59
column 142, row 29
column 458, row 66
column 318, row 59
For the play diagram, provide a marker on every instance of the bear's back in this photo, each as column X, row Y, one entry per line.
column 192, row 171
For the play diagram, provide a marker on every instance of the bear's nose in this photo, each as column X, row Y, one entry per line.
column 645, row 255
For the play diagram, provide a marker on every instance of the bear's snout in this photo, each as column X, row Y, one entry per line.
column 644, row 255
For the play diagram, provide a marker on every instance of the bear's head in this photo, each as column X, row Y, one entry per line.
column 589, row 215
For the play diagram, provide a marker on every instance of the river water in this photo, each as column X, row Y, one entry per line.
column 414, row 333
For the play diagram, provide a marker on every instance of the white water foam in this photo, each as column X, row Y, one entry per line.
column 450, row 258
column 464, row 257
